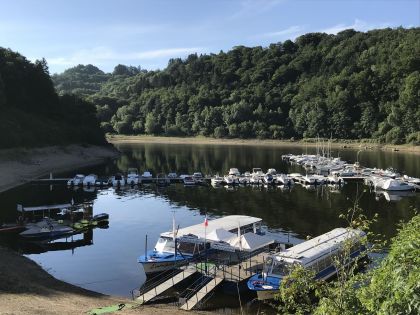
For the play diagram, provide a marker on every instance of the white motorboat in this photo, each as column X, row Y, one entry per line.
column 217, row 181
column 283, row 179
column 255, row 180
column 231, row 180
column 76, row 180
column 117, row 180
column 411, row 180
column 189, row 181
column 90, row 180
column 272, row 171
column 334, row 179
column 394, row 185
column 133, row 177
column 146, row 176
column 268, row 179
column 198, row 177
column 257, row 172
column 309, row 179
column 234, row 172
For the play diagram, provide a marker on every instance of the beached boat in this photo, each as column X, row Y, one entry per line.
column 76, row 180
column 177, row 247
column 90, row 180
column 316, row 254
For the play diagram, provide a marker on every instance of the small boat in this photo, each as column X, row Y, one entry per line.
column 272, row 171
column 231, row 180
column 198, row 177
column 146, row 176
column 309, row 180
column 172, row 175
column 234, row 172
column 316, row 254
column 46, row 228
column 133, row 177
column 334, row 179
column 411, row 180
column 101, row 217
column 283, row 179
column 189, row 181
column 76, row 180
column 102, row 182
column 217, row 180
column 257, row 172
column 90, row 180
column 394, row 185
column 255, row 180
column 162, row 180
column 118, row 180
column 268, row 179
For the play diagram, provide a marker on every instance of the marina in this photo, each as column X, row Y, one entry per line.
column 288, row 214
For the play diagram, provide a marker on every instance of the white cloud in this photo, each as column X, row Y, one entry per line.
column 358, row 25
column 292, row 30
column 99, row 55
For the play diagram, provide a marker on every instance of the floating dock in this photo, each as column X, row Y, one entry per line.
column 211, row 275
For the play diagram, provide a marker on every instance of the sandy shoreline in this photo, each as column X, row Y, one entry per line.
column 20, row 165
column 25, row 288
column 116, row 139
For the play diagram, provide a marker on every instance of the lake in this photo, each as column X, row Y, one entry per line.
column 105, row 260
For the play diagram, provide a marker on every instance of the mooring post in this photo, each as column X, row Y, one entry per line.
column 145, row 249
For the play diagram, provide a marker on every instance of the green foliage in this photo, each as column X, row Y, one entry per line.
column 32, row 114
column 352, row 85
column 394, row 287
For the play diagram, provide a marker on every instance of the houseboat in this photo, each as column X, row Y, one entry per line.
column 317, row 254
column 177, row 247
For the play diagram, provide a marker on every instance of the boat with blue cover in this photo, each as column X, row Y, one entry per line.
column 317, row 254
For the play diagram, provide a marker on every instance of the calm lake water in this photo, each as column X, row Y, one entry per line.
column 105, row 260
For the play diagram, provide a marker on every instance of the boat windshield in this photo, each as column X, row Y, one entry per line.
column 165, row 245
column 281, row 269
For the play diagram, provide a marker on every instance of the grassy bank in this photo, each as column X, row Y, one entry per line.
column 345, row 144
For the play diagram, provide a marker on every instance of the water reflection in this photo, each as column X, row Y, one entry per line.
column 298, row 211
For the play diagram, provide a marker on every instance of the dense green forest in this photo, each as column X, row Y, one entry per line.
column 32, row 114
column 352, row 85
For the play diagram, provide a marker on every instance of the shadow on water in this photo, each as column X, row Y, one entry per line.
column 105, row 260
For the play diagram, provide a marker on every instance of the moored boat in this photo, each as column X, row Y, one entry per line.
column 316, row 254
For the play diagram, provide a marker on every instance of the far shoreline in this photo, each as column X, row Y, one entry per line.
column 349, row 144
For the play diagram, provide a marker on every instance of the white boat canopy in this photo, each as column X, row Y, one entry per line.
column 250, row 242
column 228, row 223
column 220, row 235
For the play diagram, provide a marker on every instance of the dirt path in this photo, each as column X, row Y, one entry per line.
column 18, row 166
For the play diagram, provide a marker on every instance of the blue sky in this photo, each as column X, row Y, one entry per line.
column 149, row 33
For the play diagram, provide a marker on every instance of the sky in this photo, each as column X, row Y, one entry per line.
column 148, row 33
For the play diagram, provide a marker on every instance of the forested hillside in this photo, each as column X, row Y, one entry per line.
column 351, row 85
column 32, row 114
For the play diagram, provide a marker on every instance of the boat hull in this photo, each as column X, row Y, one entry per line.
column 160, row 266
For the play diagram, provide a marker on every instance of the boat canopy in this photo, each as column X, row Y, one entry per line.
column 307, row 252
column 220, row 235
column 250, row 242
column 21, row 208
column 228, row 223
